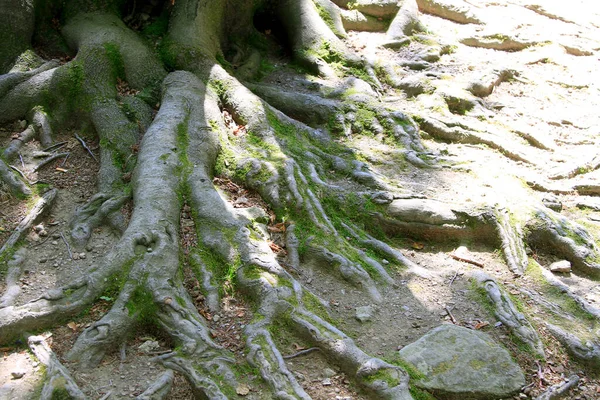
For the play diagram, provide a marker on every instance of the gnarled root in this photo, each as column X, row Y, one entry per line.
column 58, row 379
column 507, row 313
column 558, row 235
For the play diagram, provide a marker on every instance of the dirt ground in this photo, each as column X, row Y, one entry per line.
column 554, row 97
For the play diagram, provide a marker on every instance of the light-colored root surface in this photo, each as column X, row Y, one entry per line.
column 41, row 206
column 59, row 382
column 507, row 313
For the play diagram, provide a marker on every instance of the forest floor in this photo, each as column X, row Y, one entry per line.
column 553, row 99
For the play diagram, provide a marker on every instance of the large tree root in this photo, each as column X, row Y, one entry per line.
column 507, row 313
column 40, row 207
column 304, row 175
column 59, row 382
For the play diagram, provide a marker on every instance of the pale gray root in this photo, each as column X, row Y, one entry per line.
column 551, row 232
column 547, row 187
column 40, row 121
column 588, row 352
column 41, row 206
column 90, row 34
column 435, row 220
column 351, row 272
column 575, row 169
column 15, row 145
column 211, row 291
column 160, row 388
column 292, row 243
column 511, row 239
column 485, row 85
column 100, row 209
column 21, row 99
column 457, row 11
column 12, row 79
column 308, row 108
column 495, row 42
column 58, row 379
column 256, row 259
column 457, row 134
column 354, row 20
column 587, row 189
column 263, row 354
column 560, row 390
column 405, row 23
column 16, row 186
column 309, row 35
column 539, row 299
column 329, row 11
column 104, row 335
column 49, row 160
column 342, row 350
column 15, row 269
column 506, row 312
column 383, row 9
column 565, row 289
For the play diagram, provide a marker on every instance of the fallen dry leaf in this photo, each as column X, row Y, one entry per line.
column 480, row 325
column 417, row 246
column 72, row 326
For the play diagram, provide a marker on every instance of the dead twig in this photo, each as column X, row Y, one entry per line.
column 65, row 160
column 20, row 172
column 86, row 147
column 67, row 244
column 450, row 315
column 55, row 146
column 49, row 160
column 560, row 390
column 301, row 352
column 453, row 279
column 467, row 260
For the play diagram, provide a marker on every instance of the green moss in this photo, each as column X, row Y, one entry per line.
column 326, row 17
column 116, row 60
column 420, row 394
column 59, row 389
column 383, row 375
column 142, row 307
column 410, row 369
column 159, row 26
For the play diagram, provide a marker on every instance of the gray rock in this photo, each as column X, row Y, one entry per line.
column 562, row 266
column 149, row 346
column 463, row 364
column 364, row 314
column 328, row 373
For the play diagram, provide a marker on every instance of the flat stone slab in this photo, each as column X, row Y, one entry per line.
column 461, row 363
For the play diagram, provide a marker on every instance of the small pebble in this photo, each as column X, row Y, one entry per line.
column 326, row 382
column 82, row 256
column 54, row 242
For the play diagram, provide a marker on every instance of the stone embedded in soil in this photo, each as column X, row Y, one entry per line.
column 364, row 314
column 463, row 364
column 562, row 266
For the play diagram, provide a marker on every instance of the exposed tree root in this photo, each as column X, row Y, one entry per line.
column 59, row 382
column 506, row 312
column 40, row 207
column 282, row 145
column 560, row 390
